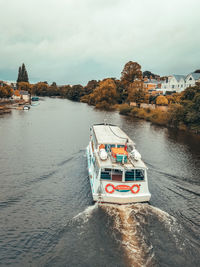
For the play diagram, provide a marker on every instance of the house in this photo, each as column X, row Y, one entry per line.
column 21, row 95
column 152, row 85
column 191, row 79
column 174, row 83
column 25, row 95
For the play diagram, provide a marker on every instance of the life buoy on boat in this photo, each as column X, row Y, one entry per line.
column 102, row 146
column 138, row 188
column 111, row 191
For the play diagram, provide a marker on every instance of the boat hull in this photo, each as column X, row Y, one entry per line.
column 115, row 197
column 121, row 200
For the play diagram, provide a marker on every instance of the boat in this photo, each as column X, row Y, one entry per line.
column 26, row 107
column 116, row 170
column 34, row 104
column 35, row 98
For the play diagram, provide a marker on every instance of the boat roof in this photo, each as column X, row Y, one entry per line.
column 110, row 134
column 108, row 163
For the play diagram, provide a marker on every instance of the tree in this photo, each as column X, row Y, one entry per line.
column 197, row 71
column 24, row 86
column 89, row 88
column 131, row 71
column 149, row 74
column 136, row 93
column 6, row 91
column 22, row 74
column 161, row 100
column 104, row 95
column 122, row 92
column 40, row 89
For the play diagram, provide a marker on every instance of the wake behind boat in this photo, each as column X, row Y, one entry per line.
column 116, row 171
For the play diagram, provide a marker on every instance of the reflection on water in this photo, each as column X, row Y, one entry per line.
column 46, row 212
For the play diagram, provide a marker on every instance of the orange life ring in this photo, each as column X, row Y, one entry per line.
column 113, row 188
column 102, row 146
column 138, row 188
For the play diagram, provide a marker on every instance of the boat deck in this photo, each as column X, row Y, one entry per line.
column 113, row 164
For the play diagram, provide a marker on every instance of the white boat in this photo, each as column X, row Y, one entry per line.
column 26, row 107
column 116, row 171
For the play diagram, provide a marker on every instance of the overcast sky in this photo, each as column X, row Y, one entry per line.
column 73, row 41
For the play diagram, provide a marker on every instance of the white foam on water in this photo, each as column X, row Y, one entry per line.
column 86, row 214
column 129, row 221
column 138, row 253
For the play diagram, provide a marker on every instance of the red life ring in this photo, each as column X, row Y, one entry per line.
column 138, row 188
column 113, row 188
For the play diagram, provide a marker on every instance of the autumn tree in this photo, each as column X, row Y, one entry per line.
column 104, row 95
column 6, row 91
column 190, row 100
column 174, row 98
column 161, row 100
column 24, row 86
column 136, row 92
column 89, row 88
column 131, row 71
column 40, row 89
column 122, row 92
column 64, row 91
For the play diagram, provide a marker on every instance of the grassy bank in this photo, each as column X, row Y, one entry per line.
column 156, row 116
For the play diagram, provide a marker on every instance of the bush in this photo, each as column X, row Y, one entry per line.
column 125, row 109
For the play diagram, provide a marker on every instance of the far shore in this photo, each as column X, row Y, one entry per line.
column 7, row 105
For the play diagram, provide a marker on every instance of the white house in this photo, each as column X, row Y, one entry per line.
column 174, row 83
column 191, row 79
column 179, row 83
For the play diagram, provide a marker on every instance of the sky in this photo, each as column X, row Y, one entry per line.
column 74, row 41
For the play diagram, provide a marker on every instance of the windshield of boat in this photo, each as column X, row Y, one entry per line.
column 117, row 175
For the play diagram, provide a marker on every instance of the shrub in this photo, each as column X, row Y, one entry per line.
column 125, row 109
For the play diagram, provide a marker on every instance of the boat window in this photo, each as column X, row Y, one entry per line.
column 139, row 175
column 117, row 175
column 129, row 175
column 105, row 174
column 134, row 175
column 120, row 145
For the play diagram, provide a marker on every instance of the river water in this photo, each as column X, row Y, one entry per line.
column 47, row 217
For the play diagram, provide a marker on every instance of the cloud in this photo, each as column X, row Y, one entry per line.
column 74, row 41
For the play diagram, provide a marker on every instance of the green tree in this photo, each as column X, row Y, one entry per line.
column 22, row 74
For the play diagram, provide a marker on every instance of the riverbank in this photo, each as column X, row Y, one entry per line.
column 158, row 117
column 6, row 106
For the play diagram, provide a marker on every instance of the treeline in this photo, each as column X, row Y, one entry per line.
column 6, row 91
column 183, row 110
column 102, row 94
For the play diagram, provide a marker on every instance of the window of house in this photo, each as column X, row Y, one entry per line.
column 190, row 78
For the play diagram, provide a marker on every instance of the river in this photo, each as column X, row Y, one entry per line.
column 47, row 217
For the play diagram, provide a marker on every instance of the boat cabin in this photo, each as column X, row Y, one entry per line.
column 111, row 147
